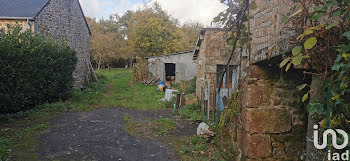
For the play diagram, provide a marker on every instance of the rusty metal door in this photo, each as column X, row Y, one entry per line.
column 227, row 87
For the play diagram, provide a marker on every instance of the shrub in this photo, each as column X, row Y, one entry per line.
column 33, row 70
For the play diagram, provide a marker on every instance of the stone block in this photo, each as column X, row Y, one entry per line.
column 255, row 95
column 278, row 150
column 267, row 120
column 294, row 150
column 256, row 71
column 257, row 146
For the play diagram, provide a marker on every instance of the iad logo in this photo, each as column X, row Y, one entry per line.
column 335, row 156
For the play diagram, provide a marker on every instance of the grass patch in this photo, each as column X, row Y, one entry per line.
column 124, row 92
column 199, row 149
column 163, row 126
column 191, row 112
column 20, row 143
column 127, row 118
column 5, row 150
column 187, row 87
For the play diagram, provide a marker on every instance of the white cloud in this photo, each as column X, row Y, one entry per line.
column 202, row 11
column 91, row 7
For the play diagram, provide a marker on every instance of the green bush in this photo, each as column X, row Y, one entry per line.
column 33, row 70
column 191, row 87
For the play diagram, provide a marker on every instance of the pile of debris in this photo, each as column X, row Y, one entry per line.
column 151, row 81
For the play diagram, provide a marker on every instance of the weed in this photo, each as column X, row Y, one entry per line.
column 187, row 87
column 127, row 118
column 5, row 148
column 170, row 103
column 164, row 125
column 191, row 112
column 197, row 148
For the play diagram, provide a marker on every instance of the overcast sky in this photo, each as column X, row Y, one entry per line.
column 202, row 11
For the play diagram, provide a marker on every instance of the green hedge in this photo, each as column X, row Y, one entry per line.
column 33, row 70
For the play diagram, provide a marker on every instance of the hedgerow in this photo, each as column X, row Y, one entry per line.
column 33, row 70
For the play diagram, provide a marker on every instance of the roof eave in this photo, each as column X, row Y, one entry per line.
column 184, row 52
column 16, row 18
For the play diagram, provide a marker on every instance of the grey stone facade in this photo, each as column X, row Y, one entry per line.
column 60, row 19
column 184, row 64
column 64, row 19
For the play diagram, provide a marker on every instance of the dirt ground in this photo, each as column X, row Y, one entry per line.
column 104, row 134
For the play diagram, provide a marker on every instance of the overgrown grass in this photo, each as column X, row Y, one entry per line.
column 199, row 149
column 20, row 143
column 123, row 92
column 5, row 145
column 187, row 87
column 164, row 125
column 191, row 112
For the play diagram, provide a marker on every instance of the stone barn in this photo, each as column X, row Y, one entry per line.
column 174, row 67
column 211, row 56
column 60, row 19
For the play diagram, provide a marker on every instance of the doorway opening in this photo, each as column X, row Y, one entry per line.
column 170, row 72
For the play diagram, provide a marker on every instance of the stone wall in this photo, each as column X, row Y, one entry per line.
column 25, row 24
column 266, row 27
column 212, row 52
column 64, row 20
column 269, row 122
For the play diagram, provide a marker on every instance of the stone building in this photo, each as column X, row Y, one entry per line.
column 174, row 67
column 211, row 55
column 60, row 19
column 267, row 119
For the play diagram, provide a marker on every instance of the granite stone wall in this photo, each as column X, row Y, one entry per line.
column 64, row 20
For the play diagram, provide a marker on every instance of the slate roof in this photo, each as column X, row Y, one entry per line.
column 21, row 9
column 26, row 9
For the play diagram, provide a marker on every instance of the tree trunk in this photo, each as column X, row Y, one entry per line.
column 99, row 64
column 316, row 95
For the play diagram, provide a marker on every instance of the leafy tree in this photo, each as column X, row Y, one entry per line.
column 107, row 42
column 151, row 32
column 147, row 32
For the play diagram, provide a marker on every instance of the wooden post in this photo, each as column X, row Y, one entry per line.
column 182, row 99
column 178, row 97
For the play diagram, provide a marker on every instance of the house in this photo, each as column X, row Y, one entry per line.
column 174, row 67
column 268, row 120
column 60, row 19
column 211, row 56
